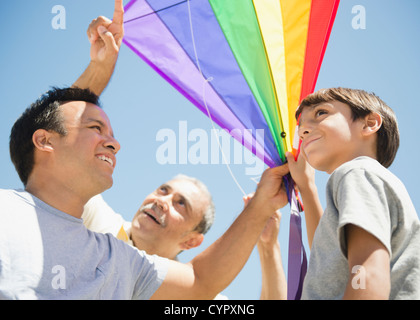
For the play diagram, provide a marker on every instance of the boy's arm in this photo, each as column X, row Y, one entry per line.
column 368, row 255
column 304, row 176
column 105, row 37
column 213, row 270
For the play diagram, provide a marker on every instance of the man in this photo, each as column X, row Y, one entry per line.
column 71, row 155
column 181, row 231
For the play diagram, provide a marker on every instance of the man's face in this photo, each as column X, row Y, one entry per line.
column 85, row 157
column 168, row 216
column 329, row 135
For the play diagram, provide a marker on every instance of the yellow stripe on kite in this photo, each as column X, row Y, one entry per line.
column 295, row 30
column 270, row 20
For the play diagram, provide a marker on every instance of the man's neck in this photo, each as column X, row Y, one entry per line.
column 151, row 250
column 58, row 196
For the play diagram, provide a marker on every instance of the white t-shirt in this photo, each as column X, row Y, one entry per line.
column 98, row 216
column 48, row 254
column 364, row 193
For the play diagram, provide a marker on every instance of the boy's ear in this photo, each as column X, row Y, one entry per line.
column 42, row 140
column 194, row 240
column 372, row 123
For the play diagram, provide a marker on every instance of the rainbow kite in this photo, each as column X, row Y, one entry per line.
column 246, row 64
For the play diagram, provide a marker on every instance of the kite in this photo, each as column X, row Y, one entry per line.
column 246, row 64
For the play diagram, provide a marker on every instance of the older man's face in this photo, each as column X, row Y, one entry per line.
column 169, row 214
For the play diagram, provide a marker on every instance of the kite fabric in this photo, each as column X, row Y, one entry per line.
column 246, row 64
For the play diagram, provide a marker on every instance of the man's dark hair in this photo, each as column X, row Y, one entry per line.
column 44, row 113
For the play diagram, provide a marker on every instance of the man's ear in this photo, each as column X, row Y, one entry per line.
column 42, row 140
column 372, row 123
column 194, row 240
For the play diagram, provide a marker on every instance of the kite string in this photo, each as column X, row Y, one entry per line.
column 206, row 80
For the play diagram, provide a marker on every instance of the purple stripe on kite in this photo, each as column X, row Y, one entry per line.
column 148, row 36
column 216, row 60
column 297, row 261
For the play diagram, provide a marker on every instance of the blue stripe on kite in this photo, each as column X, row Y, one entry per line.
column 216, row 61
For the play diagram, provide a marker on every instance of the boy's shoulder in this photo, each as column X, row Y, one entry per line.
column 365, row 166
column 366, row 175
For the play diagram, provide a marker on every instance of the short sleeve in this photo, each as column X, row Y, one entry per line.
column 151, row 273
column 98, row 216
column 361, row 200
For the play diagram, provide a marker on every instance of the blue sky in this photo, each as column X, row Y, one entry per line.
column 382, row 58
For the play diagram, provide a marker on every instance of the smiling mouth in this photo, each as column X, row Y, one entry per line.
column 305, row 145
column 106, row 159
column 152, row 217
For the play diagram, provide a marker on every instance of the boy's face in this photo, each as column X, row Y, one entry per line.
column 329, row 135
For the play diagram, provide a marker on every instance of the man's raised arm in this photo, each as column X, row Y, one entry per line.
column 105, row 37
column 214, row 269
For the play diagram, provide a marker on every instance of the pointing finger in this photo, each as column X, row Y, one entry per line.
column 118, row 12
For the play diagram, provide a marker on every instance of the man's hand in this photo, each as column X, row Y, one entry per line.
column 271, row 193
column 105, row 36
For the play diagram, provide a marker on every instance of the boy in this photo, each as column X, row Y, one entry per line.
column 367, row 243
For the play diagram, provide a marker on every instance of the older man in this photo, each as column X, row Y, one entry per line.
column 173, row 218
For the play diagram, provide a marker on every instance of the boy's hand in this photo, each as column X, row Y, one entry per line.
column 269, row 236
column 302, row 173
column 304, row 177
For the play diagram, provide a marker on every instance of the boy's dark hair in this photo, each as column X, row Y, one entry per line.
column 44, row 113
column 361, row 104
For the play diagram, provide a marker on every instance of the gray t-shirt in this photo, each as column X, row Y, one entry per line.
column 48, row 254
column 364, row 193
